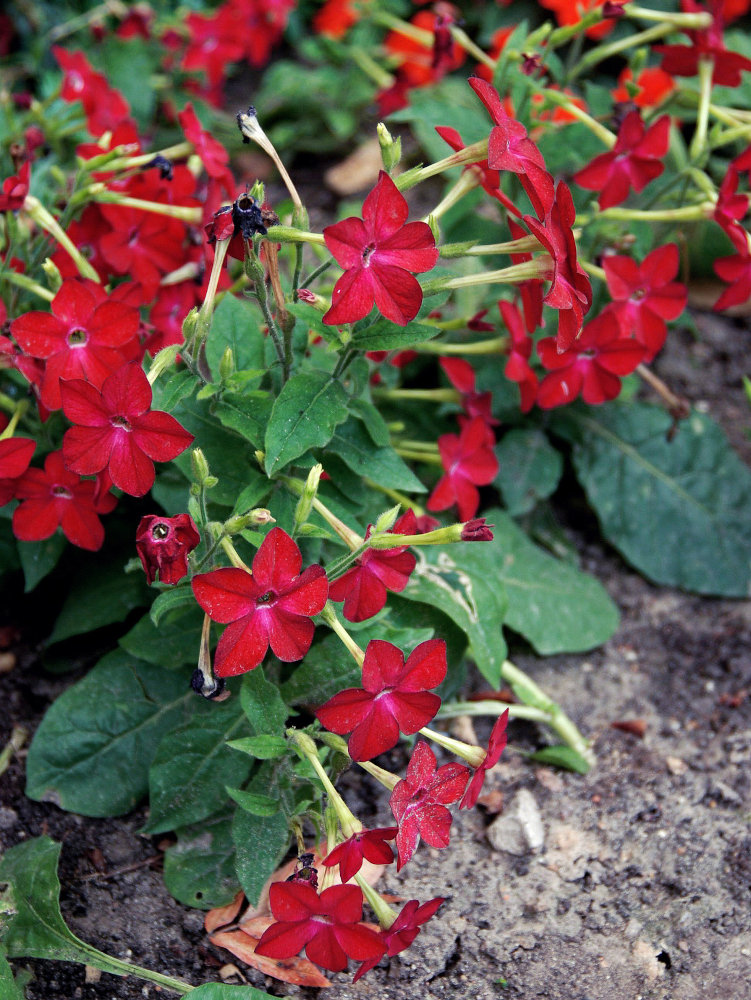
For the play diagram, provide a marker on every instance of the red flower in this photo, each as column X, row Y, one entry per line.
column 15, row 189
column 143, row 245
column 327, row 926
column 489, row 180
column 461, row 375
column 510, row 148
column 364, row 586
column 105, row 108
column 423, row 64
column 469, row 461
column 645, row 296
column 653, row 85
column 335, row 18
column 633, row 162
column 214, row 156
column 116, row 430
column 88, row 336
column 271, row 606
column 735, row 269
column 570, row 292
column 368, row 845
column 377, row 253
column 419, row 802
column 53, row 497
column 706, row 44
column 571, row 11
column 518, row 368
column 592, row 365
column 404, row 930
column 15, row 455
column 395, row 697
column 215, row 42
column 496, row 746
column 477, row 530
column 163, row 544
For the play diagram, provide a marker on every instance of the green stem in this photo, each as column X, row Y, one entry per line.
column 396, row 496
column 36, row 210
column 539, row 268
column 699, row 140
column 687, row 213
column 286, row 234
column 470, row 154
column 463, row 39
column 27, row 283
column 418, row 456
column 496, row 345
column 605, row 51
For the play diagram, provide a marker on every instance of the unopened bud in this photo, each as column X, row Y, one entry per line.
column 226, row 365
column 251, row 518
column 258, row 191
column 308, row 495
column 433, row 223
column 391, row 149
column 477, row 530
column 199, row 466
column 385, row 521
column 54, row 278
column 189, row 324
column 194, row 508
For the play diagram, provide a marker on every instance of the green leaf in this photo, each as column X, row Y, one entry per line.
column 386, row 336
column 354, row 446
column 253, row 802
column 261, row 843
column 220, row 991
column 168, row 394
column 40, row 558
column 261, row 747
column 373, row 422
column 235, row 324
column 169, row 600
column 262, row 704
column 99, row 598
column 193, row 764
column 92, row 752
column 172, row 644
column 304, row 416
column 676, row 507
column 247, row 414
column 561, row 756
column 529, row 470
column 555, row 606
column 228, row 454
column 10, row 989
column 199, row 870
column 462, row 583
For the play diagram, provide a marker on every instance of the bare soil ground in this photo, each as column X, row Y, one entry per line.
column 642, row 886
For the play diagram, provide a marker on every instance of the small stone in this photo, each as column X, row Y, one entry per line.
column 676, row 766
column 92, row 975
column 518, row 830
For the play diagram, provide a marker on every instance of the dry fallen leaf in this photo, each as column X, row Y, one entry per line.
column 637, row 727
column 298, row 971
column 358, row 171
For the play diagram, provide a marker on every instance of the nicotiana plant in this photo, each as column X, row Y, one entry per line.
column 297, row 405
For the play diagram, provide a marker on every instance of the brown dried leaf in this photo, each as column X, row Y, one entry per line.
column 298, row 971
column 358, row 171
column 637, row 727
column 223, row 915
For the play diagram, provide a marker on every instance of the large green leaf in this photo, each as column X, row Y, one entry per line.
column 221, row 991
column 386, row 336
column 355, row 447
column 100, row 597
column 174, row 643
column 193, row 764
column 529, row 469
column 199, row 870
column 555, row 606
column 229, row 456
column 235, row 324
column 261, row 843
column 248, row 414
column 10, row 988
column 304, row 416
column 92, row 752
column 463, row 583
column 262, row 704
column 40, row 558
column 677, row 507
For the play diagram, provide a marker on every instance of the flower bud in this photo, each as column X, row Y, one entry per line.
column 226, row 365
column 477, row 530
column 385, row 521
column 54, row 278
column 308, row 495
column 391, row 149
column 199, row 466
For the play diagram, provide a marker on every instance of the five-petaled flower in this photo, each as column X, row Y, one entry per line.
column 327, row 926
column 419, row 801
column 364, row 586
column 116, row 429
column 270, row 606
column 377, row 253
column 404, row 930
column 395, row 697
column 15, row 455
column 163, row 544
column 368, row 845
column 469, row 461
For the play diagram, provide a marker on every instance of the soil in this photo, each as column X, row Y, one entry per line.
column 642, row 885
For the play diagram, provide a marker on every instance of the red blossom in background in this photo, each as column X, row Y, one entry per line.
column 653, row 86
column 404, row 930
column 469, row 461
column 163, row 544
column 364, row 586
column 489, row 180
column 706, row 44
column 735, row 269
column 55, row 497
column 86, row 336
column 335, row 18
column 15, row 189
column 327, row 926
column 271, row 606
column 378, row 252
column 645, row 295
column 105, row 108
column 368, row 845
column 633, row 162
column 419, row 801
column 518, row 368
column 571, row 11
column 15, row 455
column 115, row 429
column 214, row 156
column 461, row 375
column 418, row 65
column 592, row 366
column 395, row 697
column 496, row 746
column 570, row 291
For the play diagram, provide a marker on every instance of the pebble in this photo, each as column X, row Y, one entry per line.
column 519, row 829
